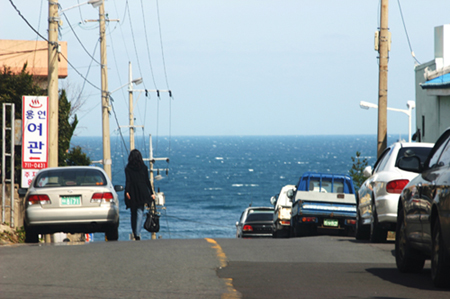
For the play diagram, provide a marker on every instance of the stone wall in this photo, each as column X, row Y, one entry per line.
column 18, row 207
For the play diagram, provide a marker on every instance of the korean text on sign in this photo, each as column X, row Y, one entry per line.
column 35, row 132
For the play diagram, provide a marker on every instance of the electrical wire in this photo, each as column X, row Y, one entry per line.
column 121, row 30
column 78, row 72
column 117, row 121
column 26, row 21
column 406, row 32
column 78, row 39
column 37, row 36
column 89, row 69
column 134, row 43
column 161, row 43
column 117, row 67
column 148, row 47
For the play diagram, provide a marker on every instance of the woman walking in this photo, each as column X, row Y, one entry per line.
column 138, row 190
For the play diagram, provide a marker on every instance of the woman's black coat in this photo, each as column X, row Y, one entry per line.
column 138, row 185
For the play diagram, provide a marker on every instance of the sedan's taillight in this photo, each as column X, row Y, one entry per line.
column 396, row 186
column 37, row 199
column 102, row 197
column 247, row 228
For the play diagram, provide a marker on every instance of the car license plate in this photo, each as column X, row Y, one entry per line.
column 330, row 222
column 70, row 200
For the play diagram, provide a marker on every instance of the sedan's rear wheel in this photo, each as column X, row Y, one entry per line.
column 406, row 258
column 31, row 236
column 377, row 233
column 362, row 232
column 112, row 234
column 440, row 264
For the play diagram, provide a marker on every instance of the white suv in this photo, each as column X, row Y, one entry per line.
column 282, row 211
column 378, row 196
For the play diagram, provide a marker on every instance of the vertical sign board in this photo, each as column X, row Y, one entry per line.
column 34, row 137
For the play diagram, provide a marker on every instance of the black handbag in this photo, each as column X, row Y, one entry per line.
column 151, row 223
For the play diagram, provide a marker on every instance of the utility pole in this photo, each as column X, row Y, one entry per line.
column 383, row 50
column 52, row 89
column 53, row 49
column 130, row 107
column 105, row 94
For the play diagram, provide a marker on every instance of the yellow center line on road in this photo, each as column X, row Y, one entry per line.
column 232, row 292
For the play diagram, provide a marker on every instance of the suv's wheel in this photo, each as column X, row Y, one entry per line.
column 362, row 232
column 440, row 264
column 377, row 233
column 406, row 258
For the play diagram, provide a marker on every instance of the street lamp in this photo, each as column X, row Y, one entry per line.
column 410, row 104
column 135, row 81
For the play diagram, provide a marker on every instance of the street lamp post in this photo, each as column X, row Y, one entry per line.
column 410, row 104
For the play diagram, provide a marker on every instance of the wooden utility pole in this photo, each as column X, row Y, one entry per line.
column 130, row 107
column 105, row 94
column 52, row 89
column 53, row 47
column 383, row 50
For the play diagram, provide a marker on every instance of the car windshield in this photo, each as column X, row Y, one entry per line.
column 314, row 186
column 69, row 177
column 421, row 152
column 260, row 216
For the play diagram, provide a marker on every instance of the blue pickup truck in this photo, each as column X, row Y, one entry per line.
column 323, row 200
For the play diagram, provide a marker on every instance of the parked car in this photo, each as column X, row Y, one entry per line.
column 378, row 196
column 323, row 201
column 255, row 222
column 423, row 221
column 282, row 202
column 76, row 199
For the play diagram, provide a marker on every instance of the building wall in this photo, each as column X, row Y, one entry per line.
column 15, row 53
column 433, row 105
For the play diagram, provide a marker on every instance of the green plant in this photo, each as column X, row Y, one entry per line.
column 17, row 236
column 356, row 172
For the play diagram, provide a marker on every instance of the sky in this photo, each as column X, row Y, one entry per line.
column 240, row 67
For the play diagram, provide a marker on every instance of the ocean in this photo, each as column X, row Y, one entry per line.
column 212, row 179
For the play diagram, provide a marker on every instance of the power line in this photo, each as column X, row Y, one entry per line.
column 89, row 69
column 26, row 21
column 406, row 31
column 117, row 121
column 92, row 84
column 78, row 39
column 162, row 48
column 134, row 42
column 148, row 47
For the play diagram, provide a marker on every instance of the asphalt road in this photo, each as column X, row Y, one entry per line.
column 313, row 267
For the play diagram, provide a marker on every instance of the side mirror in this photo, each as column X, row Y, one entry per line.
column 367, row 172
column 22, row 191
column 273, row 200
column 412, row 164
column 290, row 194
column 118, row 188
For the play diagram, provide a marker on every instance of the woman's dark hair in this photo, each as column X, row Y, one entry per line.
column 135, row 158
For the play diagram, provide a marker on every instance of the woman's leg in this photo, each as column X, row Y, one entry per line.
column 139, row 219
column 133, row 220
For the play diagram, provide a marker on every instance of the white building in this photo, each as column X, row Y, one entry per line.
column 433, row 89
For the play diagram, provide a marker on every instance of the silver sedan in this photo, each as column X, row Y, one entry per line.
column 75, row 199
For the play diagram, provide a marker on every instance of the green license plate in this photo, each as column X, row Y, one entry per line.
column 70, row 200
column 331, row 222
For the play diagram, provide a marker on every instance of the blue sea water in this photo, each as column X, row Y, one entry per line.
column 212, row 179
